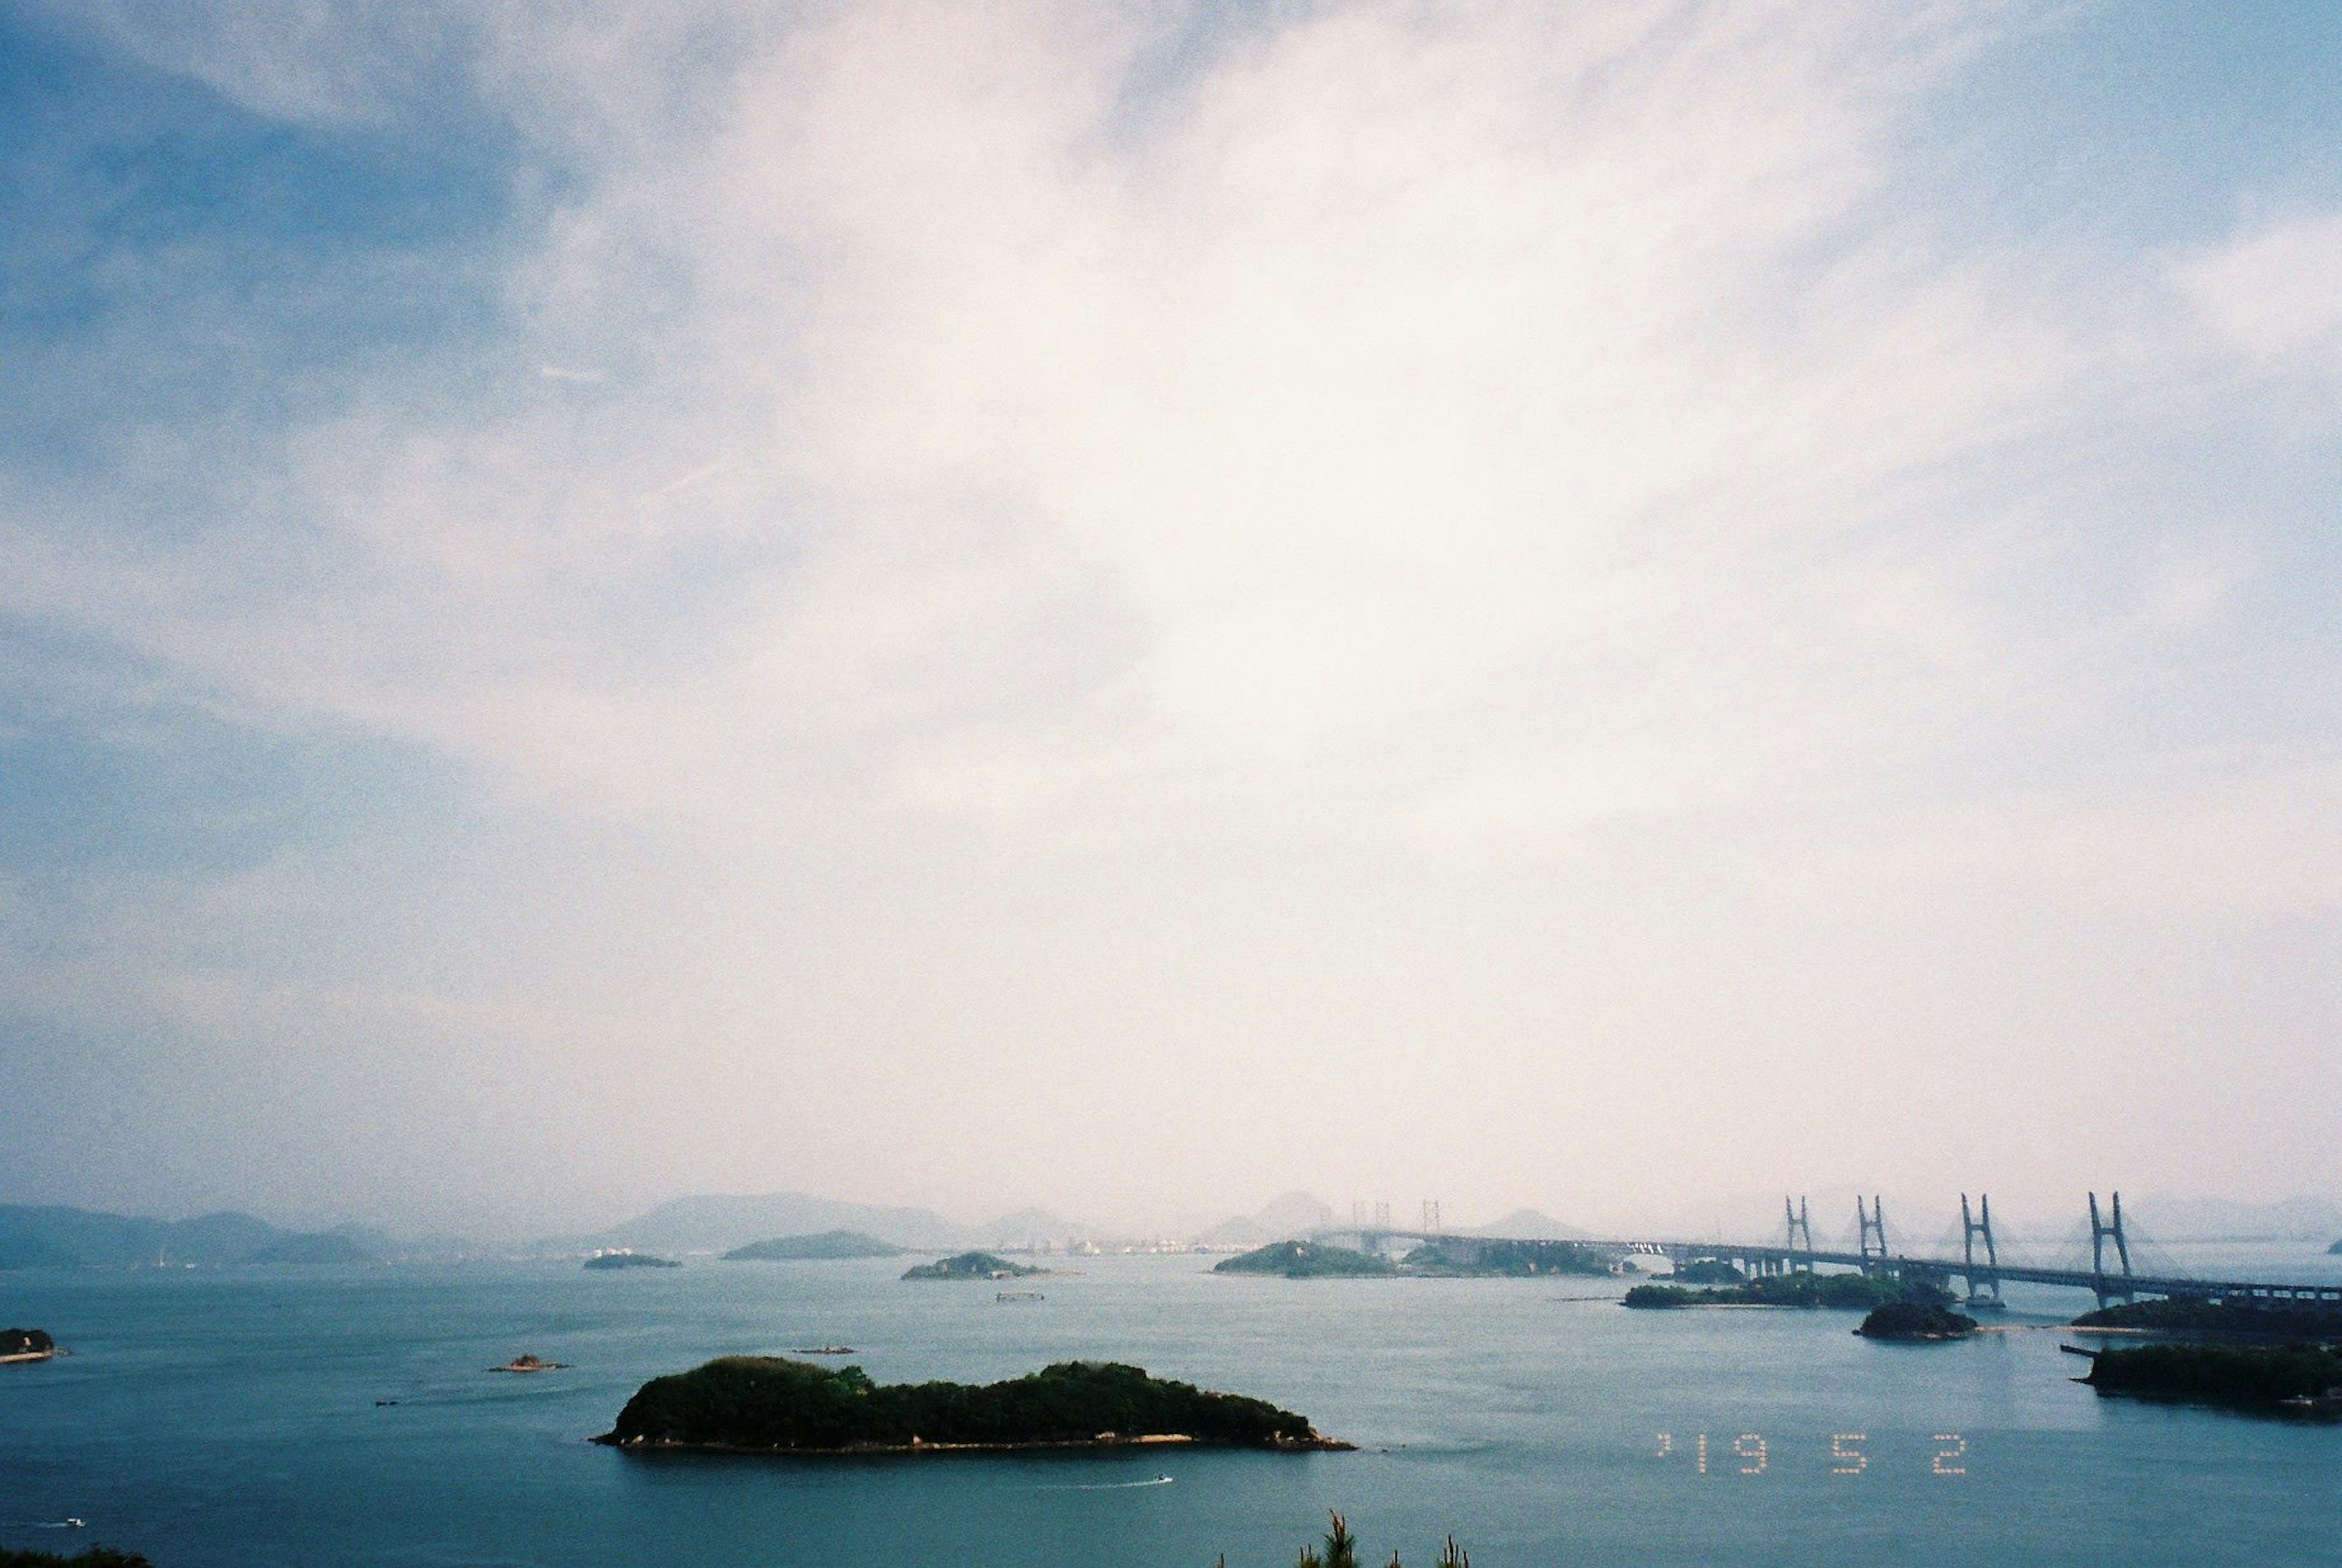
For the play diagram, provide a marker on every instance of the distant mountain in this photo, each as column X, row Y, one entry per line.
column 1237, row 1231
column 1529, row 1226
column 2168, row 1217
column 1293, row 1213
column 38, row 1236
column 717, row 1224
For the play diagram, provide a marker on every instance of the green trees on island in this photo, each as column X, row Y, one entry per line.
column 971, row 1266
column 1306, row 1261
column 2303, row 1375
column 777, row 1405
column 1844, row 1292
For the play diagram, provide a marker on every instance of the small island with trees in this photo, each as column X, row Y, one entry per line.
column 827, row 1246
column 1439, row 1257
column 972, row 1266
column 623, row 1259
column 1843, row 1292
column 1306, row 1261
column 768, row 1404
column 1916, row 1322
column 26, row 1344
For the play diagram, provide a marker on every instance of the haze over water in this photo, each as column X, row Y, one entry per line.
column 227, row 1419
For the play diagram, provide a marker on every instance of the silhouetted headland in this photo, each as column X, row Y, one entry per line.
column 2296, row 1379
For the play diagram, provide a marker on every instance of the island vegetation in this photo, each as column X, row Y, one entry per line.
column 972, row 1266
column 1916, row 1322
column 26, row 1344
column 1844, row 1292
column 826, row 1246
column 626, row 1260
column 2301, row 1379
column 1476, row 1257
column 771, row 1404
column 1306, row 1261
column 88, row 1557
column 2196, row 1315
column 1707, row 1272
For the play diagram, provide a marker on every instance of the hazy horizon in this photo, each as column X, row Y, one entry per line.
column 1128, row 608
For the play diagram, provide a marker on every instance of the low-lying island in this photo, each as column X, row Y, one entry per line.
column 769, row 1405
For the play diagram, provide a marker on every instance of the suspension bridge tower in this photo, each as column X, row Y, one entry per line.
column 2109, row 1287
column 1873, row 1242
column 1984, row 1284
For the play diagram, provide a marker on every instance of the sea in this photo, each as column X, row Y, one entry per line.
column 276, row 1417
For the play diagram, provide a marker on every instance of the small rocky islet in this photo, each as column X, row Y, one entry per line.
column 770, row 1405
column 973, row 1266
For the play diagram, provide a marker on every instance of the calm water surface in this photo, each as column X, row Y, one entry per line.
column 226, row 1419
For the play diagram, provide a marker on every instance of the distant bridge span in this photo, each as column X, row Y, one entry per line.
column 1979, row 1268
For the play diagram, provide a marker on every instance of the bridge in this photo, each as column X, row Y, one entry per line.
column 1979, row 1266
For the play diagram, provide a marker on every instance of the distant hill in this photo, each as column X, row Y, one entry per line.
column 826, row 1246
column 1287, row 1217
column 719, row 1222
column 35, row 1236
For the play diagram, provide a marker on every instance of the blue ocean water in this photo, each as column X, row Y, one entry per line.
column 228, row 1419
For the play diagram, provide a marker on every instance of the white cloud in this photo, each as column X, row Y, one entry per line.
column 1111, row 577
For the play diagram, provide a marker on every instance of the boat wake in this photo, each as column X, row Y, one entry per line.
column 1109, row 1485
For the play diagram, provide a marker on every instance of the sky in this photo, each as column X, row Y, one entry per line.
column 1125, row 606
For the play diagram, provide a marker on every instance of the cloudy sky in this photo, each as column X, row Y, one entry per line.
column 1123, row 606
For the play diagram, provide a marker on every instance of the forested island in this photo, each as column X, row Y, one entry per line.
column 825, row 1246
column 1844, row 1292
column 2189, row 1314
column 1916, row 1322
column 1306, row 1261
column 624, row 1259
column 26, row 1344
column 972, row 1266
column 2287, row 1379
column 771, row 1404
column 1475, row 1257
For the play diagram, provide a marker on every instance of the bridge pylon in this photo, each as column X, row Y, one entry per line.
column 1984, row 1284
column 1873, row 1244
column 2109, row 1287
column 1431, row 1216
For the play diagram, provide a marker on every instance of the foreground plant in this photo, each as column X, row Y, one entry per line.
column 1341, row 1550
